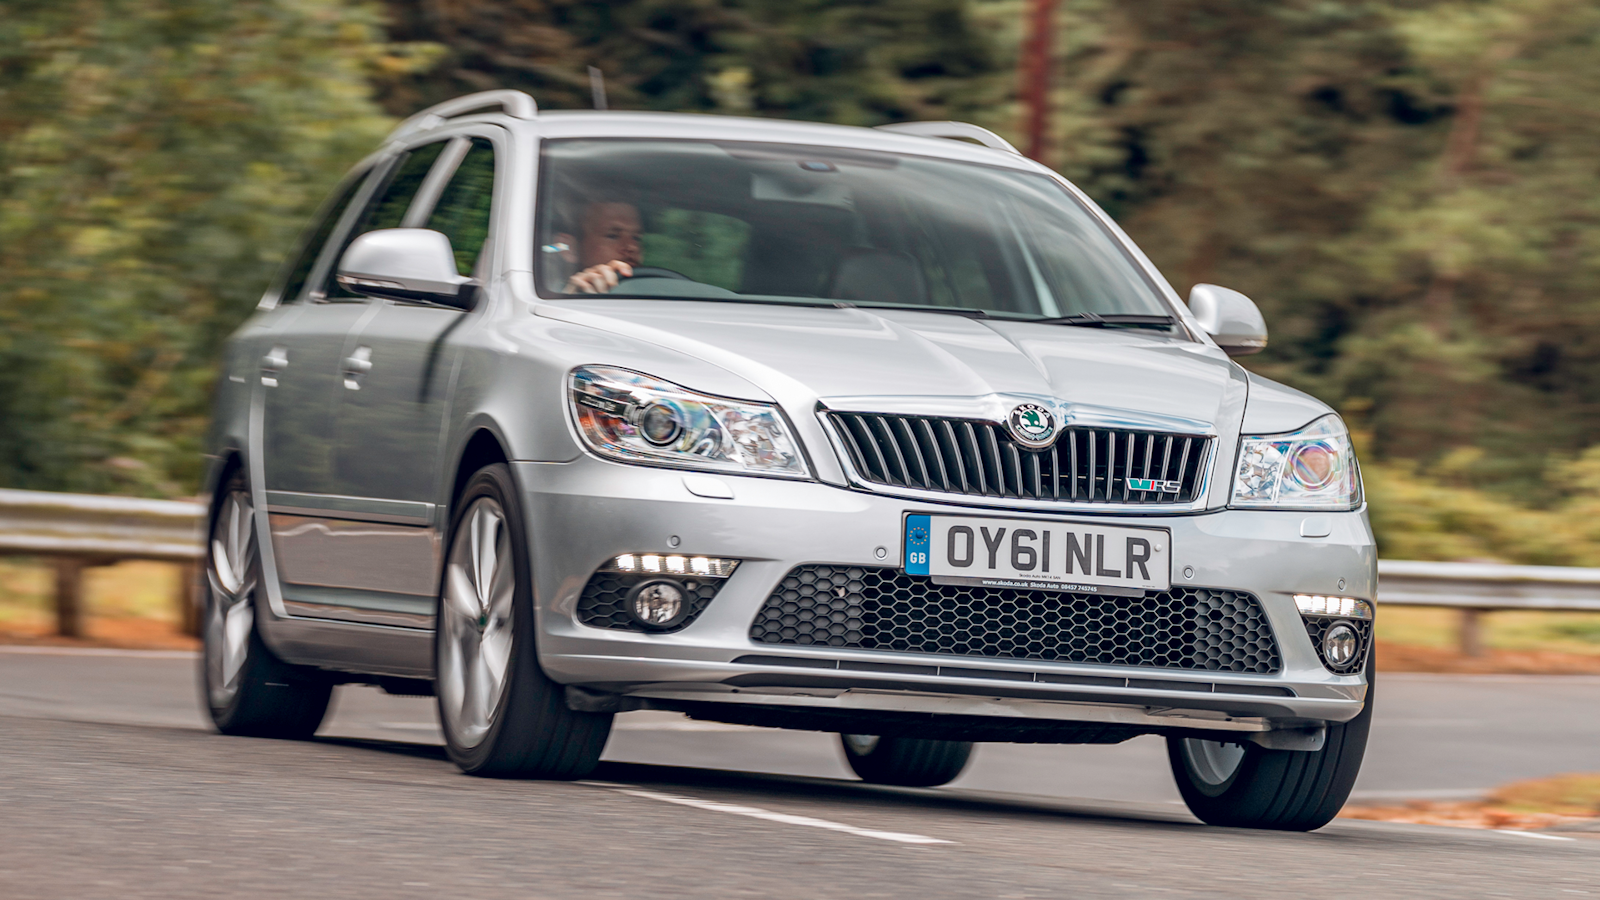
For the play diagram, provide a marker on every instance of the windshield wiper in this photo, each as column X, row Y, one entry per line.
column 1110, row 320
column 916, row 307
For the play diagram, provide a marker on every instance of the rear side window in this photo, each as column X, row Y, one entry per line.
column 462, row 213
column 300, row 271
column 387, row 208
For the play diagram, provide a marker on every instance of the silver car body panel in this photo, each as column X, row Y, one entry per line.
column 354, row 558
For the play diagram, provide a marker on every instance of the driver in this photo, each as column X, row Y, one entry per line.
column 606, row 248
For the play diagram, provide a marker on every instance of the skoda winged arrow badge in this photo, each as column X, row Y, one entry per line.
column 1032, row 425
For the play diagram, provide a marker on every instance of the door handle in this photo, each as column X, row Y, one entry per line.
column 273, row 364
column 356, row 365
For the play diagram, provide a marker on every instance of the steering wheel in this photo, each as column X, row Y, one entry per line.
column 655, row 272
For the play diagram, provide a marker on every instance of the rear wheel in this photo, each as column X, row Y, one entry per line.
column 908, row 762
column 248, row 690
column 1245, row 785
column 500, row 714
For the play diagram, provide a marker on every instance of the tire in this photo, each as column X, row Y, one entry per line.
column 907, row 762
column 1248, row 786
column 500, row 714
column 246, row 689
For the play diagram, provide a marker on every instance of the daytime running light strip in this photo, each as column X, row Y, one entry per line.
column 1344, row 607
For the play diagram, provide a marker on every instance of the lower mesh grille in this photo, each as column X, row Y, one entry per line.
column 884, row 609
column 604, row 599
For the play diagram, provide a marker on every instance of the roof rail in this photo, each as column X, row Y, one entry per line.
column 959, row 131
column 516, row 104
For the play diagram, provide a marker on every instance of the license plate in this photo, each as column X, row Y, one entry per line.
column 1037, row 555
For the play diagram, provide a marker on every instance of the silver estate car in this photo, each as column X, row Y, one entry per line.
column 888, row 432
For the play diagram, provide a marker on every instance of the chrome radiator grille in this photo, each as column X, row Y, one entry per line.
column 961, row 456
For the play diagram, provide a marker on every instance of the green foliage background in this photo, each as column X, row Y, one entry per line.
column 1407, row 188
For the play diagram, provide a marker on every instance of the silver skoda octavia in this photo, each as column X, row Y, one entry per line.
column 884, row 432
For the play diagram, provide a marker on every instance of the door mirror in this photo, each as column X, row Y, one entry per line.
column 1231, row 318
column 405, row 264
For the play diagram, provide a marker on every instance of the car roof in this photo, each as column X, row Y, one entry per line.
column 691, row 126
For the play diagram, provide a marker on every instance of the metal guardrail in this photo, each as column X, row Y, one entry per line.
column 1487, row 586
column 1479, row 588
column 77, row 531
column 50, row 524
column 80, row 530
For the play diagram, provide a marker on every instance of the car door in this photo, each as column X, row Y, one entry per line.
column 312, row 521
column 297, row 364
column 397, row 391
column 396, row 400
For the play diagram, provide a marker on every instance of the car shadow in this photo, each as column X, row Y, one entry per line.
column 742, row 787
column 773, row 787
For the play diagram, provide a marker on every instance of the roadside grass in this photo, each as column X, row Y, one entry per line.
column 1570, row 801
column 130, row 604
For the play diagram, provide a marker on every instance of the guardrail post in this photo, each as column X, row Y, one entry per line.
column 1471, row 631
column 69, row 596
column 188, row 597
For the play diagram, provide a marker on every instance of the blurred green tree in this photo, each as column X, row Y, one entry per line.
column 156, row 159
column 857, row 63
column 1407, row 190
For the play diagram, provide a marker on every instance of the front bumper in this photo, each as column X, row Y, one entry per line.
column 585, row 512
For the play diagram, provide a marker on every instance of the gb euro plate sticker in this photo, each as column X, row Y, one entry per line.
column 918, row 532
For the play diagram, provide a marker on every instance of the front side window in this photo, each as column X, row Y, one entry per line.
column 720, row 220
column 462, row 213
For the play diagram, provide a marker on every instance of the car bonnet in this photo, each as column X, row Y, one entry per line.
column 906, row 361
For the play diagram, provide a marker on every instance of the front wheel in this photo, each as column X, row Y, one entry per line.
column 907, row 762
column 1245, row 785
column 500, row 714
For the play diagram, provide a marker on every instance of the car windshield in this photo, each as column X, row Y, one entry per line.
column 788, row 223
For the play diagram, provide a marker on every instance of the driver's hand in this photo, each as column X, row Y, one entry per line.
column 599, row 279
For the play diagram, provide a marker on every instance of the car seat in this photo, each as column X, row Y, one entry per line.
column 879, row 276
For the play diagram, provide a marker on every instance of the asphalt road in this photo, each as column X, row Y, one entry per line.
column 112, row 786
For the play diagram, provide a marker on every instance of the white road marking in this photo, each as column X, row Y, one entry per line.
column 1533, row 834
column 755, row 812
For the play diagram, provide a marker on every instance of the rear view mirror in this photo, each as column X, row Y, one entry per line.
column 1231, row 318
column 412, row 264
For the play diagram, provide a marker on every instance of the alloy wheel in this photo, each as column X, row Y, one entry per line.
column 1213, row 762
column 231, row 612
column 475, row 623
column 862, row 744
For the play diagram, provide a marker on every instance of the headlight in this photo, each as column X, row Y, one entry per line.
column 1313, row 468
column 627, row 416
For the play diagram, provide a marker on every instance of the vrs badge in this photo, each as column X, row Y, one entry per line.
column 1155, row 485
column 1032, row 426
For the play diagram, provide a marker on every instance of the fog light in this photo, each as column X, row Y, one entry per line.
column 1339, row 645
column 658, row 604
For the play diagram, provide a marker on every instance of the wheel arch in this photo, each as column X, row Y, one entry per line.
column 220, row 468
column 483, row 447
